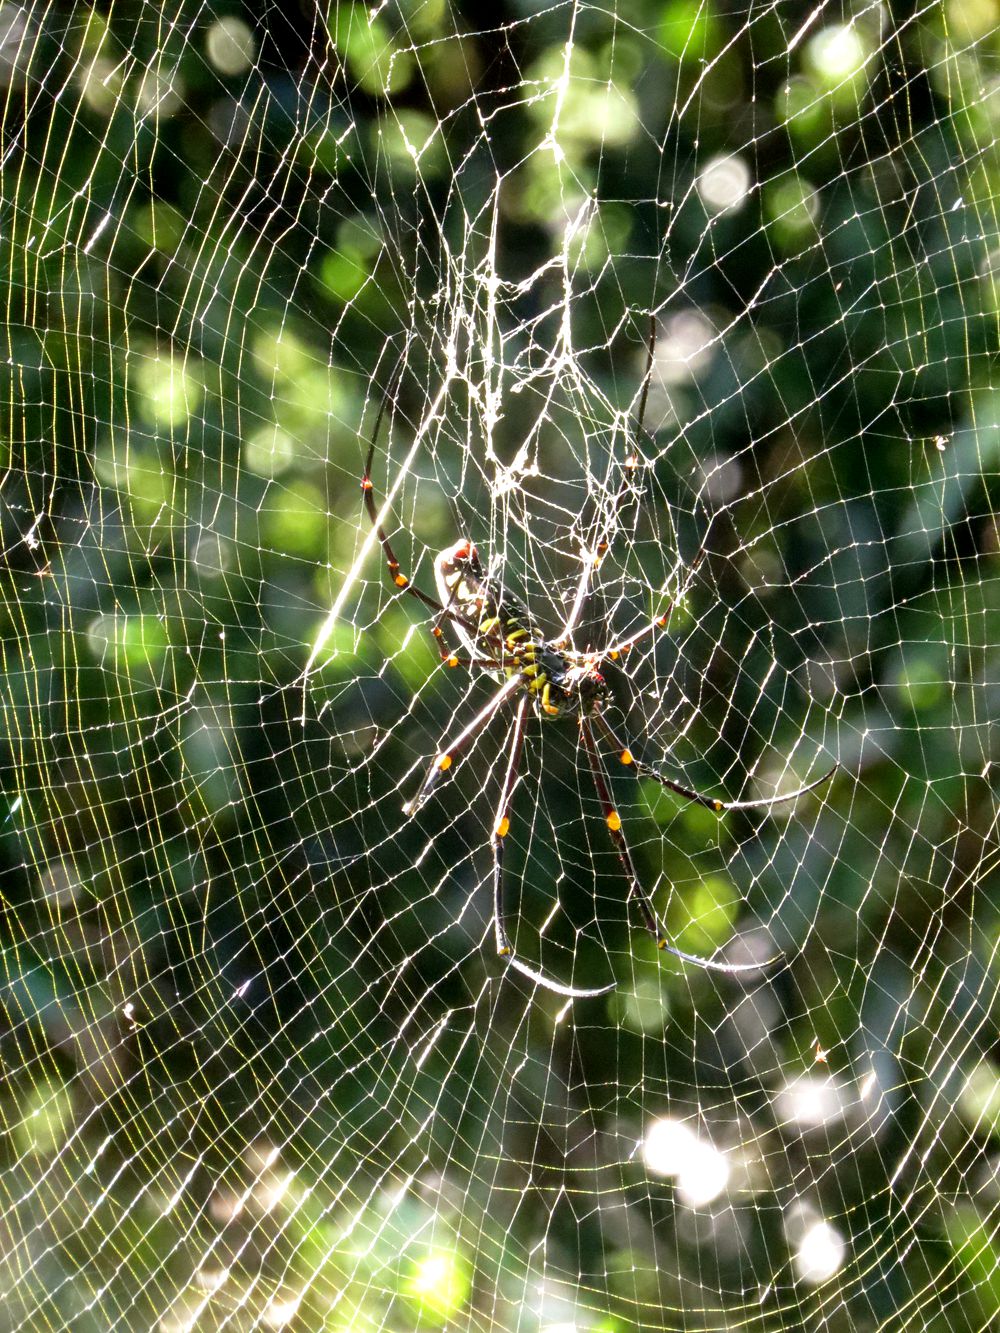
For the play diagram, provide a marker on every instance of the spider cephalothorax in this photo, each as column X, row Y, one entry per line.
column 553, row 680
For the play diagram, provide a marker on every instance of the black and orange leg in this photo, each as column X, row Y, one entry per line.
column 451, row 659
column 644, row 770
column 401, row 580
column 614, row 825
column 444, row 759
column 594, row 557
column 501, row 827
column 658, row 623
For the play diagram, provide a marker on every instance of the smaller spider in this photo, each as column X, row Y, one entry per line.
column 555, row 682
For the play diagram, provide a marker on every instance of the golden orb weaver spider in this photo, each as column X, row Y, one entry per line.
column 554, row 681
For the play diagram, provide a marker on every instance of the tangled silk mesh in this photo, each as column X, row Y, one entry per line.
column 262, row 1068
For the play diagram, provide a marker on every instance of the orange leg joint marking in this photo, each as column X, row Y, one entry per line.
column 627, row 757
column 444, row 761
column 614, row 821
column 503, row 827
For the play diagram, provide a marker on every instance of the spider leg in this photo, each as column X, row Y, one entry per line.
column 710, row 802
column 659, row 622
column 444, row 759
column 501, row 827
column 395, row 573
column 614, row 823
column 454, row 660
column 629, row 468
column 595, row 558
column 623, row 645
column 557, row 988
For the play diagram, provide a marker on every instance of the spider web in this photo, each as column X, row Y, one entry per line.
column 262, row 1066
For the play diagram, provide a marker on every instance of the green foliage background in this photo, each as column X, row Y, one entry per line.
column 259, row 1071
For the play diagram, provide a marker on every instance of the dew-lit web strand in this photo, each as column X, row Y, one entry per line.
column 644, row 1095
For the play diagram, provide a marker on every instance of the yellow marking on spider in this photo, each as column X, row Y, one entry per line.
column 614, row 820
column 661, row 621
column 516, row 634
column 452, row 661
column 503, row 827
column 444, row 761
column 614, row 655
column 661, row 943
column 717, row 806
column 488, row 626
column 400, row 580
column 627, row 757
column 366, row 483
column 503, row 951
column 529, row 671
column 437, row 631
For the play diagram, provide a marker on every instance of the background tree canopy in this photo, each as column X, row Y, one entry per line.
column 262, row 1067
